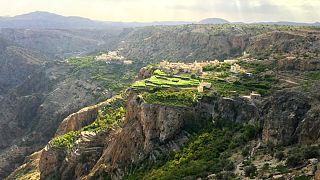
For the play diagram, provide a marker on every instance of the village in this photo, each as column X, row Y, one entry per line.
column 198, row 69
column 113, row 57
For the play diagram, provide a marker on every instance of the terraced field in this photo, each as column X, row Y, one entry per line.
column 162, row 80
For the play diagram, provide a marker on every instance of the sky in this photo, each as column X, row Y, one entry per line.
column 171, row 10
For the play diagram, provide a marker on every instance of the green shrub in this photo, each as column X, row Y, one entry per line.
column 279, row 155
column 245, row 152
column 266, row 167
column 250, row 171
column 311, row 152
column 209, row 68
column 282, row 169
column 65, row 141
column 303, row 177
column 294, row 161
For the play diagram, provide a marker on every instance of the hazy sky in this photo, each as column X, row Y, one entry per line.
column 162, row 10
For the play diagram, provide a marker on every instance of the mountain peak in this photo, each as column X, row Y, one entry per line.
column 37, row 15
column 214, row 21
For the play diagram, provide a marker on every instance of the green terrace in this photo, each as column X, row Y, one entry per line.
column 183, row 90
column 162, row 80
column 183, row 98
column 112, row 76
column 109, row 117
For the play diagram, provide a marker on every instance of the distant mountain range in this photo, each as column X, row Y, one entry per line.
column 46, row 20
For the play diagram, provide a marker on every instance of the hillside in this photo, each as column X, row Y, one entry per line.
column 59, row 43
column 16, row 64
column 207, row 42
column 46, row 20
column 130, row 135
column 165, row 127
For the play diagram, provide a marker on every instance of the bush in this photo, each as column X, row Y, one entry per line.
column 65, row 141
column 209, row 68
column 303, row 177
column 250, row 171
column 266, row 167
column 245, row 152
column 279, row 155
column 226, row 176
column 294, row 161
column 311, row 152
column 229, row 166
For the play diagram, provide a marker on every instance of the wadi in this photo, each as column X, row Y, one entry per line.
column 84, row 99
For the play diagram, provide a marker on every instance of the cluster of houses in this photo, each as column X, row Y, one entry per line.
column 113, row 56
column 197, row 67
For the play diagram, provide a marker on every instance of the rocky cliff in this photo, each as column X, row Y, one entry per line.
column 147, row 132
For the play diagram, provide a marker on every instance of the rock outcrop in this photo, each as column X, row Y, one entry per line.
column 282, row 115
column 300, row 65
column 148, row 131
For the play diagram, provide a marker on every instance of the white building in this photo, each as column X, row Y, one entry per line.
column 255, row 95
column 204, row 85
column 236, row 68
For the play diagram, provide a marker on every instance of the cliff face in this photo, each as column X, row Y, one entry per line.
column 284, row 42
column 300, row 65
column 147, row 132
column 188, row 43
column 283, row 113
column 152, row 130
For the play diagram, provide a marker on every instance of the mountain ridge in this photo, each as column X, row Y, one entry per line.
column 47, row 20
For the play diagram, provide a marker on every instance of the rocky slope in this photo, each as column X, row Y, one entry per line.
column 17, row 64
column 33, row 110
column 207, row 42
column 61, row 43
